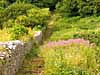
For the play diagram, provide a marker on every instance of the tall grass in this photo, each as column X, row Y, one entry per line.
column 72, row 57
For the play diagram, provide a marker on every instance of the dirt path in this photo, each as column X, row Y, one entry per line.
column 34, row 65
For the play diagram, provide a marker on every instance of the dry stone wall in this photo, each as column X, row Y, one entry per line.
column 14, row 52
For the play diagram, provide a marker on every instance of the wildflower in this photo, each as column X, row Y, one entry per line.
column 66, row 42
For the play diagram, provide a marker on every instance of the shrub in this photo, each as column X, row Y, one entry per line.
column 97, row 4
column 79, row 7
column 68, row 7
column 38, row 16
column 23, row 20
column 16, row 9
column 86, row 7
column 17, row 31
column 72, row 57
column 35, row 16
column 13, row 11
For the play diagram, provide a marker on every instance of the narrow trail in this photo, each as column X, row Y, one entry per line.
column 50, row 27
column 32, row 67
column 35, row 65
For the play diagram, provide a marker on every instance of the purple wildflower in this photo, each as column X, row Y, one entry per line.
column 66, row 42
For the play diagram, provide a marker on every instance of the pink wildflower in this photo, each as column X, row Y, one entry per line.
column 66, row 42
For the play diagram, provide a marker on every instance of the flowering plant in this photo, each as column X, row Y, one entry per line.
column 66, row 42
column 73, row 56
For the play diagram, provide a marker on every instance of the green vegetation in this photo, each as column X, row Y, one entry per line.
column 18, row 31
column 76, row 27
column 75, row 57
column 79, row 7
column 3, row 33
column 17, row 17
column 67, row 20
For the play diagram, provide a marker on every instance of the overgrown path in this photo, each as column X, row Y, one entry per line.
column 33, row 65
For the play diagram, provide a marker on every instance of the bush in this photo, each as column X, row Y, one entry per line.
column 87, row 7
column 17, row 31
column 38, row 16
column 23, row 20
column 16, row 9
column 35, row 16
column 97, row 4
column 72, row 57
column 13, row 11
column 79, row 7
column 68, row 7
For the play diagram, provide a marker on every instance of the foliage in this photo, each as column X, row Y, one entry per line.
column 39, row 16
column 75, row 56
column 86, row 7
column 66, row 55
column 16, row 9
column 35, row 17
column 8, row 23
column 23, row 20
column 92, row 35
column 45, row 3
column 88, row 23
column 68, row 7
column 65, row 23
column 3, row 3
column 33, row 53
column 17, row 31
column 5, row 35
column 11, row 1
column 23, row 1
column 79, row 7
column 65, row 28
column 97, row 4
